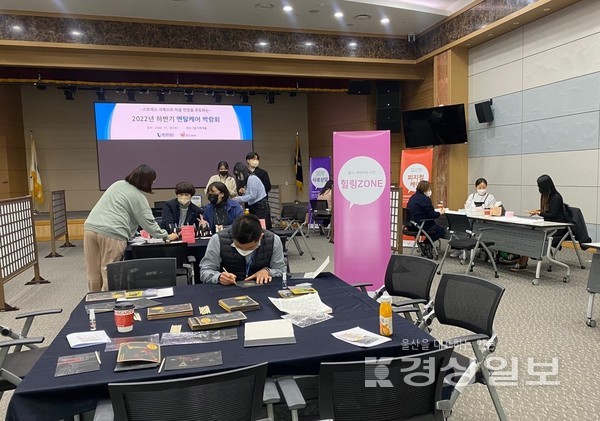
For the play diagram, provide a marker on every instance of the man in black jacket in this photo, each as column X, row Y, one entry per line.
column 180, row 211
column 252, row 159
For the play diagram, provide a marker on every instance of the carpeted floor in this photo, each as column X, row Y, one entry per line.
column 536, row 325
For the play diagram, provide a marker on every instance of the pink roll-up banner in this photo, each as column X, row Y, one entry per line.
column 361, row 214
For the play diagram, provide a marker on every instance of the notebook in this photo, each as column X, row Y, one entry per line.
column 310, row 275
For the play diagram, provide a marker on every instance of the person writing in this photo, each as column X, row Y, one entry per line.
column 243, row 253
column 224, row 177
column 113, row 220
column 253, row 193
column 180, row 211
column 481, row 198
column 221, row 210
column 421, row 208
column 552, row 208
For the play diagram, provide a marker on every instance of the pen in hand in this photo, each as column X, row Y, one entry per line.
column 225, row 271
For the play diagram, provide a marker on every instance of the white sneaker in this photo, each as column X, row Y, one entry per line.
column 455, row 253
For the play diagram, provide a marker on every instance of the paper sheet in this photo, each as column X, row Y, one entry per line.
column 309, row 304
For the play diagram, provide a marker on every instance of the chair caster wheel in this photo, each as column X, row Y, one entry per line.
column 496, row 275
column 582, row 267
column 439, row 272
column 566, row 279
column 302, row 253
column 535, row 282
column 549, row 269
column 313, row 258
column 590, row 323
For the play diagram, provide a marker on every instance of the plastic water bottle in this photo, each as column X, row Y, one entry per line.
column 284, row 281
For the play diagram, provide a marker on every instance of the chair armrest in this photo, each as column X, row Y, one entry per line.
column 191, row 259
column 363, row 286
column 39, row 313
column 409, row 302
column 270, row 393
column 459, row 340
column 104, row 411
column 291, row 393
column 24, row 341
column 407, row 309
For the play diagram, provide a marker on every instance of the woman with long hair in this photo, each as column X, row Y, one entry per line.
column 254, row 193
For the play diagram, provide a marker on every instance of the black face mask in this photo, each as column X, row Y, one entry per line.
column 223, row 173
column 541, row 191
column 213, row 198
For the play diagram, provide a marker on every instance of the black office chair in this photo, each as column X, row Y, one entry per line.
column 410, row 277
column 463, row 238
column 185, row 263
column 293, row 217
column 356, row 390
column 226, row 396
column 14, row 366
column 321, row 214
column 413, row 229
column 142, row 273
column 470, row 303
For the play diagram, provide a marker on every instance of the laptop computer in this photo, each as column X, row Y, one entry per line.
column 310, row 275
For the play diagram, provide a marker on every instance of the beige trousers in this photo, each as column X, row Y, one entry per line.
column 100, row 250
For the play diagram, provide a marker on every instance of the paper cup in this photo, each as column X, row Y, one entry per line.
column 124, row 316
column 509, row 214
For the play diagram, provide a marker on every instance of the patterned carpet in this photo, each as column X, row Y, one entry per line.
column 535, row 325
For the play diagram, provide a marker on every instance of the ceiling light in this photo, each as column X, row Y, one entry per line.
column 490, row 35
column 515, row 23
column 263, row 44
column 308, row 44
column 363, row 16
column 385, row 21
column 244, row 98
column 338, row 15
column 130, row 96
column 217, row 98
column 76, row 33
column 352, row 44
column 288, row 8
column 313, row 11
column 271, row 98
column 70, row 94
column 546, row 9
column 189, row 96
column 101, row 95
column 160, row 96
column 17, row 28
column 264, row 5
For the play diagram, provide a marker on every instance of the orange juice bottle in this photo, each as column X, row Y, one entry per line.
column 385, row 317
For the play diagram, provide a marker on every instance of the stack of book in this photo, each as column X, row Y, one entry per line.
column 240, row 303
column 167, row 312
column 214, row 321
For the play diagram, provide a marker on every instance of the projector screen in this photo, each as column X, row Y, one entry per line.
column 182, row 142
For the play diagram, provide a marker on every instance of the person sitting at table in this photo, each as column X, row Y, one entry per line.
column 180, row 211
column 224, row 177
column 481, row 198
column 252, row 192
column 421, row 208
column 244, row 252
column 552, row 208
column 220, row 210
column 326, row 193
column 113, row 220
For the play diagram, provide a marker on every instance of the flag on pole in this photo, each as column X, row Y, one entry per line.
column 35, row 181
column 298, row 166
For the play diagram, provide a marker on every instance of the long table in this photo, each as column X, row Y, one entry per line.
column 42, row 396
column 525, row 236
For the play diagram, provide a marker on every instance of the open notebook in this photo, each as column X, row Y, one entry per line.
column 310, row 275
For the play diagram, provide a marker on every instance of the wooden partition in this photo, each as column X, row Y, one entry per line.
column 395, row 227
column 18, row 248
column 58, row 222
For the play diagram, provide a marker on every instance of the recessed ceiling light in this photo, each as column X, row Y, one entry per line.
column 338, row 15
column 515, row 23
column 490, row 35
column 385, row 21
column 287, row 8
column 16, row 28
column 313, row 11
column 468, row 44
column 546, row 9
column 263, row 43
column 76, row 33
column 309, row 44
column 363, row 16
column 264, row 5
column 352, row 44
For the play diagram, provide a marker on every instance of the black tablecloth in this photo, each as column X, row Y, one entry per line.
column 197, row 249
column 42, row 396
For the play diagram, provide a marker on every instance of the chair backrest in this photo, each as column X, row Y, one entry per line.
column 468, row 302
column 288, row 211
column 142, row 273
column 410, row 276
column 160, row 204
column 318, row 205
column 356, row 391
column 148, row 251
column 192, row 398
column 407, row 217
column 301, row 212
column 458, row 222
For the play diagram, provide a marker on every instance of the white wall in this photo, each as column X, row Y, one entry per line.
column 544, row 80
column 64, row 133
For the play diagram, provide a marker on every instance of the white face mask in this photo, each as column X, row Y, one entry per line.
column 253, row 163
column 481, row 192
column 183, row 201
column 245, row 252
column 428, row 193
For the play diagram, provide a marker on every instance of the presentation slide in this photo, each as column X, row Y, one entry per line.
column 182, row 142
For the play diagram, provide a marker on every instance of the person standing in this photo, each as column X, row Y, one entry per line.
column 180, row 211
column 253, row 193
column 113, row 220
column 220, row 210
column 252, row 159
column 224, row 177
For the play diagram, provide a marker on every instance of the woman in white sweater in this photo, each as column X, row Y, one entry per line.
column 224, row 177
column 481, row 198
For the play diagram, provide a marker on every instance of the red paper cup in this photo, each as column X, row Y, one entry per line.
column 124, row 316
column 487, row 212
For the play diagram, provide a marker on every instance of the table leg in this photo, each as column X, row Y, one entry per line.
column 538, row 269
column 590, row 322
column 553, row 260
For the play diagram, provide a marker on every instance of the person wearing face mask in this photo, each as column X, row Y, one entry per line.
column 421, row 208
column 220, row 210
column 224, row 177
column 254, row 193
column 245, row 252
column 481, row 198
column 180, row 211
column 252, row 159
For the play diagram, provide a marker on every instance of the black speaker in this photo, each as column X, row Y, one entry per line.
column 389, row 115
column 484, row 111
column 359, row 87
